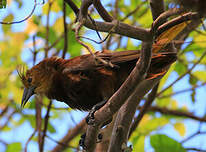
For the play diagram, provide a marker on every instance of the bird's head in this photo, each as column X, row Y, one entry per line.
column 36, row 80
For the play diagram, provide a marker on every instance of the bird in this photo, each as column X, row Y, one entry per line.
column 83, row 82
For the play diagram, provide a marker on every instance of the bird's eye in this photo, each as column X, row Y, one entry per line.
column 29, row 80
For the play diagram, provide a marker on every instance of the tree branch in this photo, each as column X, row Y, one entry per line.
column 102, row 11
column 127, row 111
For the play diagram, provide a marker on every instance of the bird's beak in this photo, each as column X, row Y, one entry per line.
column 28, row 92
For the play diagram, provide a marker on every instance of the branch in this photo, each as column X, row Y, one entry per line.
column 127, row 111
column 102, row 11
column 65, row 32
column 164, row 16
column 122, row 28
column 8, row 119
column 38, row 119
column 157, row 7
column 182, row 91
column 72, row 6
column 30, row 138
column 180, row 19
column 167, row 111
column 134, row 11
column 47, row 29
column 193, row 135
column 45, row 126
column 195, row 149
column 120, row 96
column 27, row 17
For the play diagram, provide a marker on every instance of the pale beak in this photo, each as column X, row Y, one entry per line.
column 28, row 92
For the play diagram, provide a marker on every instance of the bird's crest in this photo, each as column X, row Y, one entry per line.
column 21, row 70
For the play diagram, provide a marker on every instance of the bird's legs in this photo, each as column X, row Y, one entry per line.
column 90, row 116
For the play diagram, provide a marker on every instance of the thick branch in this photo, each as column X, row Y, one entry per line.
column 127, row 111
column 157, row 7
column 121, row 28
column 180, row 19
column 102, row 11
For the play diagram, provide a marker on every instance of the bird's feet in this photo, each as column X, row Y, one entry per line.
column 90, row 117
column 82, row 140
column 83, row 137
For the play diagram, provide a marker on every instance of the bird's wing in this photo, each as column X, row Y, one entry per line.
column 87, row 62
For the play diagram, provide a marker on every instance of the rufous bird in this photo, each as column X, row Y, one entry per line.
column 82, row 82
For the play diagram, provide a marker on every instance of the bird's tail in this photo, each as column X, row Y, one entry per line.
column 159, row 61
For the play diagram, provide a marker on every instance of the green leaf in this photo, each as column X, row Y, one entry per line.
column 180, row 68
column 138, row 144
column 151, row 124
column 201, row 75
column 14, row 147
column 193, row 95
column 74, row 48
column 193, row 80
column 8, row 18
column 51, row 129
column 3, row 4
column 163, row 143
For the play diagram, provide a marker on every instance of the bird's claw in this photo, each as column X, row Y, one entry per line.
column 83, row 137
column 81, row 141
column 90, row 117
column 99, row 138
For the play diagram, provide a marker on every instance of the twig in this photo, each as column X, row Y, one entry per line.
column 193, row 135
column 47, row 29
column 134, row 11
column 179, row 78
column 167, row 111
column 122, row 28
column 27, row 17
column 38, row 119
column 55, row 42
column 46, row 120
column 30, row 138
column 71, row 134
column 8, row 119
column 3, row 142
column 60, row 143
column 195, row 149
column 182, row 91
column 5, row 109
column 65, row 32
